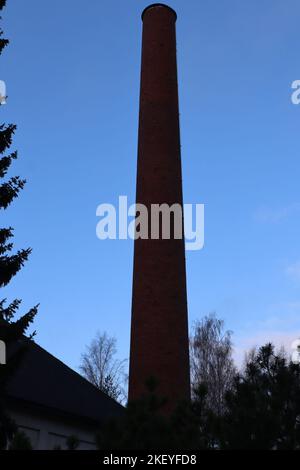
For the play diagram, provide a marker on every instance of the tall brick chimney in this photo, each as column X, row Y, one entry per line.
column 159, row 327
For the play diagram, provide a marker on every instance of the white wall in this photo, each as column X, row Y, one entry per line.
column 45, row 432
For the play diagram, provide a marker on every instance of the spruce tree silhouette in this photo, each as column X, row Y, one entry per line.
column 263, row 407
column 12, row 331
column 3, row 42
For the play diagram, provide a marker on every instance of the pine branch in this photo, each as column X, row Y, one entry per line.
column 10, row 265
column 6, row 134
column 6, row 248
column 3, row 43
column 5, row 234
column 18, row 329
column 5, row 163
column 7, row 313
column 10, row 190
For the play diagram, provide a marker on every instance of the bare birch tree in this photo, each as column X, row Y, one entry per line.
column 100, row 366
column 212, row 365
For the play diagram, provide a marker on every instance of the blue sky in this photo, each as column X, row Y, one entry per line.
column 72, row 74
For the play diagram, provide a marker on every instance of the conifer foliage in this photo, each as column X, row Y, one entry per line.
column 3, row 42
column 12, row 329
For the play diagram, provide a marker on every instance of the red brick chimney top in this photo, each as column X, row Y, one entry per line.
column 159, row 5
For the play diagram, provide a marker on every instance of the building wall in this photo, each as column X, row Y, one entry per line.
column 47, row 432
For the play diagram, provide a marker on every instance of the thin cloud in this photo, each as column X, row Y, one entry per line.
column 293, row 271
column 280, row 329
column 266, row 214
column 278, row 338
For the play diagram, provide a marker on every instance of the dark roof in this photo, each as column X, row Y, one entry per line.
column 43, row 380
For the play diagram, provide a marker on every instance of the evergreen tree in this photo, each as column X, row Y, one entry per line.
column 263, row 407
column 3, row 42
column 12, row 330
column 144, row 425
